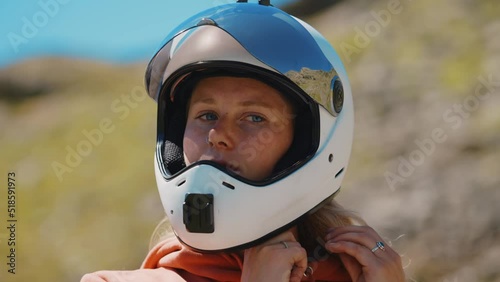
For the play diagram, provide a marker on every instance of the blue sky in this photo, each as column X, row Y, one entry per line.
column 112, row 30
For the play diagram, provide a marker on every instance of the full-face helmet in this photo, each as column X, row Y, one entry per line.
column 210, row 208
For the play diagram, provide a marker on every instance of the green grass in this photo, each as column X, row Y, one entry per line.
column 102, row 213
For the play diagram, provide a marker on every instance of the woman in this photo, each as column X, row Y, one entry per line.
column 255, row 124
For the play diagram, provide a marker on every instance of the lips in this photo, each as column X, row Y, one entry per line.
column 229, row 165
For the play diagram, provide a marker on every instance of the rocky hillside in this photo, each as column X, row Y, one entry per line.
column 426, row 161
column 79, row 136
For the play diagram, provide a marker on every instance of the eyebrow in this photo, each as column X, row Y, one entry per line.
column 255, row 103
column 211, row 101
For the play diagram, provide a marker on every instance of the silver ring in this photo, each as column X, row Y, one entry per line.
column 309, row 271
column 378, row 245
column 208, row 142
column 284, row 244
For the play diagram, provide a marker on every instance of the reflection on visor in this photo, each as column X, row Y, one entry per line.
column 283, row 44
column 276, row 45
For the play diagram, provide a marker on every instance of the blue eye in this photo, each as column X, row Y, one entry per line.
column 256, row 118
column 208, row 116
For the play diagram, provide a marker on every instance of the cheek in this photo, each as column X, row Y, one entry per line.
column 273, row 145
column 190, row 151
column 282, row 143
column 283, row 139
column 191, row 146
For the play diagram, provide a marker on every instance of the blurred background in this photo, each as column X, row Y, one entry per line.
column 78, row 130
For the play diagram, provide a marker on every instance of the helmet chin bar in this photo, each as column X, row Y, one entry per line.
column 206, row 221
column 198, row 211
column 247, row 244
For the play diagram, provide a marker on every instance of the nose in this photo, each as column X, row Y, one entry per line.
column 221, row 136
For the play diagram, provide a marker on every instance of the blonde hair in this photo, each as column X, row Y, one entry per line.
column 162, row 231
column 312, row 229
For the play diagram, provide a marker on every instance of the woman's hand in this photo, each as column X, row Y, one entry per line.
column 280, row 259
column 356, row 246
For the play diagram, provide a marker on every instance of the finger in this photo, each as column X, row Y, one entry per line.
column 286, row 236
column 286, row 245
column 299, row 264
column 351, row 243
column 379, row 272
column 292, row 251
column 352, row 266
column 333, row 232
column 362, row 254
column 283, row 240
column 364, row 240
column 386, row 254
column 295, row 254
column 363, row 235
column 359, row 238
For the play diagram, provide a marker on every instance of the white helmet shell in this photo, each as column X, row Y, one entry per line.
column 210, row 208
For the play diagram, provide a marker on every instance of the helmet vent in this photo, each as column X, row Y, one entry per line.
column 206, row 21
column 261, row 2
column 181, row 182
column 230, row 186
column 338, row 96
column 338, row 173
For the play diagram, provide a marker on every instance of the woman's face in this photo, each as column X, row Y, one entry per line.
column 240, row 123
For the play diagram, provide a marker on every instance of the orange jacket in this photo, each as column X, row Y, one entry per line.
column 170, row 261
